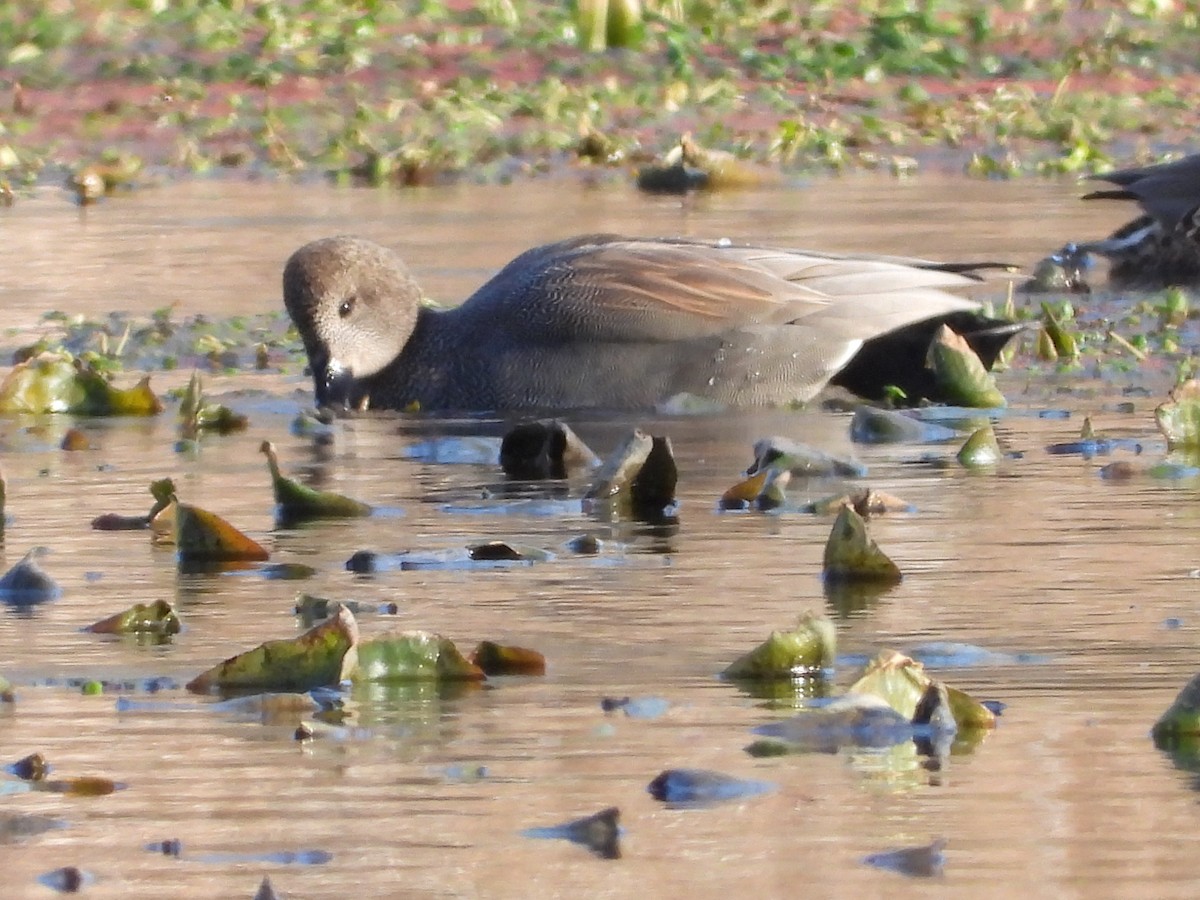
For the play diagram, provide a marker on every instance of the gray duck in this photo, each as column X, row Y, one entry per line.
column 1161, row 247
column 602, row 321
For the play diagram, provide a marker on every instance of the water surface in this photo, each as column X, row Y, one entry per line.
column 1083, row 587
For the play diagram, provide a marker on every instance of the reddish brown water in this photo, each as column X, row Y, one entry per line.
column 1077, row 581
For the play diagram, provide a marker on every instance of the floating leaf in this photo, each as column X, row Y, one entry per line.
column 926, row 861
column 902, row 682
column 547, row 448
column 981, row 449
column 854, row 720
column 1064, row 343
column 851, row 554
column 600, row 833
column 204, row 536
column 866, row 502
column 961, row 377
column 321, row 656
column 413, row 656
column 620, row 469
column 197, row 415
column 872, row 425
column 1181, row 722
column 158, row 617
column 811, row 647
column 82, row 786
column 692, row 788
column 501, row 659
column 57, row 382
column 801, row 460
column 1179, row 418
column 298, row 501
column 27, row 583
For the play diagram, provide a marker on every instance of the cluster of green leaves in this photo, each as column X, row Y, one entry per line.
column 392, row 92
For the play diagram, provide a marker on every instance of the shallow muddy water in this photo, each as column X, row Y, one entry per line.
column 1082, row 589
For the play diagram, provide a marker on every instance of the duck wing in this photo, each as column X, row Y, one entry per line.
column 1167, row 191
column 610, row 289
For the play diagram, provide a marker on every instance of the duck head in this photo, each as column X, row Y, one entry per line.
column 355, row 305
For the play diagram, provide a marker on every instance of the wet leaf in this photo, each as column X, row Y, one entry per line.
column 204, row 536
column 547, row 448
column 1064, row 343
column 926, row 861
column 311, row 608
column 600, row 833
column 981, row 449
column 67, row 880
column 1182, row 718
column 162, row 491
column 902, row 682
column 872, row 425
column 75, row 440
column 851, row 554
column 57, row 382
column 30, row 768
column 801, row 460
column 272, row 708
column 1179, row 417
column 321, row 656
column 621, row 467
column 961, row 377
column 637, row 707
column 853, row 720
column 691, row 788
column 81, row 786
column 413, row 656
column 811, row 647
column 27, row 583
column 158, row 617
column 502, row 659
column 742, row 494
column 197, row 415
column 297, row 501
column 866, row 502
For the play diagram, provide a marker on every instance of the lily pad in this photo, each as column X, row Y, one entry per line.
column 196, row 415
column 852, row 720
column 851, row 554
column 202, row 536
column 502, row 659
column 600, row 832
column 621, row 467
column 323, row 655
column 902, row 682
column 413, row 656
column 642, row 470
column 981, row 449
column 872, row 425
column 811, row 647
column 801, row 460
column 297, row 501
column 58, row 382
column 693, row 788
column 1181, row 721
column 1179, row 418
column 926, row 861
column 961, row 377
column 157, row 618
column 547, row 448
column 866, row 502
column 27, row 582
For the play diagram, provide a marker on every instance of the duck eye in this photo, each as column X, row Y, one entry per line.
column 346, row 307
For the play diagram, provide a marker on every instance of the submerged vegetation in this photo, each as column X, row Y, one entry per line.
column 409, row 92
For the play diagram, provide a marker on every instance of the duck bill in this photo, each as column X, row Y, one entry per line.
column 333, row 385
